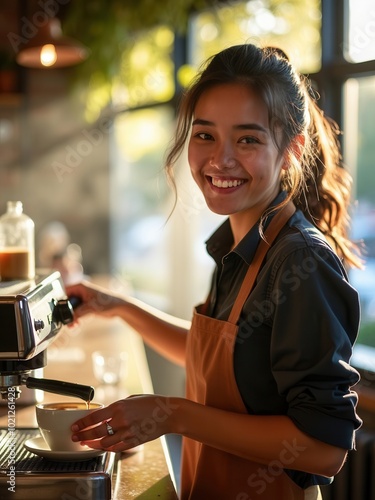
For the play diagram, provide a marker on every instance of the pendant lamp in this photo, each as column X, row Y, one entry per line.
column 49, row 48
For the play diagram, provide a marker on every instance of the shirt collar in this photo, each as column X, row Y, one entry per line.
column 221, row 241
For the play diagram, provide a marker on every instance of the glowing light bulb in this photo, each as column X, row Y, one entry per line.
column 48, row 55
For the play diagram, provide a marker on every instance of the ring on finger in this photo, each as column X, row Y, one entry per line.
column 110, row 430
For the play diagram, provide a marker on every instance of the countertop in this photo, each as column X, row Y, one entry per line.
column 143, row 473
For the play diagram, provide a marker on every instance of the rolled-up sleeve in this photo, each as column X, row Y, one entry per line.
column 314, row 327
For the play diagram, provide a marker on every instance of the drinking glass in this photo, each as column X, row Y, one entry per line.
column 110, row 367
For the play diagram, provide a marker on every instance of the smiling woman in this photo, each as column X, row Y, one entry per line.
column 265, row 371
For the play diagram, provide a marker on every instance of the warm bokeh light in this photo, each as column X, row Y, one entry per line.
column 294, row 26
column 48, row 55
column 185, row 75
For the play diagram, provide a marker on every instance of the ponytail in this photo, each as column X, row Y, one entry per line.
column 327, row 191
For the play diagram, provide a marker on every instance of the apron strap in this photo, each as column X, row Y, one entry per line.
column 277, row 223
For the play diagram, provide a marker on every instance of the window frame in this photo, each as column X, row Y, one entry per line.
column 335, row 71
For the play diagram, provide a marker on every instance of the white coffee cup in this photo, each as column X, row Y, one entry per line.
column 55, row 421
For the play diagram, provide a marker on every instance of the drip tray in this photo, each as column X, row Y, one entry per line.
column 37, row 478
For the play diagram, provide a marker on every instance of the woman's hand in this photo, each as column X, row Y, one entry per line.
column 163, row 332
column 134, row 420
column 93, row 299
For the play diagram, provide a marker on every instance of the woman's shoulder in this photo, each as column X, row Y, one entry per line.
column 300, row 232
column 300, row 239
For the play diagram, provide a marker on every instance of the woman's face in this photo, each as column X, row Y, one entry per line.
column 232, row 155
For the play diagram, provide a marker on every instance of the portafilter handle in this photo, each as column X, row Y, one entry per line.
column 85, row 392
column 63, row 310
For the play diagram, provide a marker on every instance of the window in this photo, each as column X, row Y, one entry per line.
column 140, row 201
column 359, row 143
column 359, row 147
column 359, row 35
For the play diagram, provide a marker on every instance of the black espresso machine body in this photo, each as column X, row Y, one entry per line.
column 32, row 313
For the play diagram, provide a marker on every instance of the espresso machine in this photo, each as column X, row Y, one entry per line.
column 32, row 314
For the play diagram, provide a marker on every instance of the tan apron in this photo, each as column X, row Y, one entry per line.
column 209, row 473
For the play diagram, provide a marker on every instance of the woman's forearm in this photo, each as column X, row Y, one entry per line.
column 163, row 332
column 271, row 440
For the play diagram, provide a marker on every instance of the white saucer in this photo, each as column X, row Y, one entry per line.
column 38, row 446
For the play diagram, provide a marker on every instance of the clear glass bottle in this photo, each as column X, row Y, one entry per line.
column 17, row 253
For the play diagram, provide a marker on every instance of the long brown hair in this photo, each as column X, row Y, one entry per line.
column 315, row 180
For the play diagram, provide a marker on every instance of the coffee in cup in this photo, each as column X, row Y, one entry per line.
column 55, row 421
